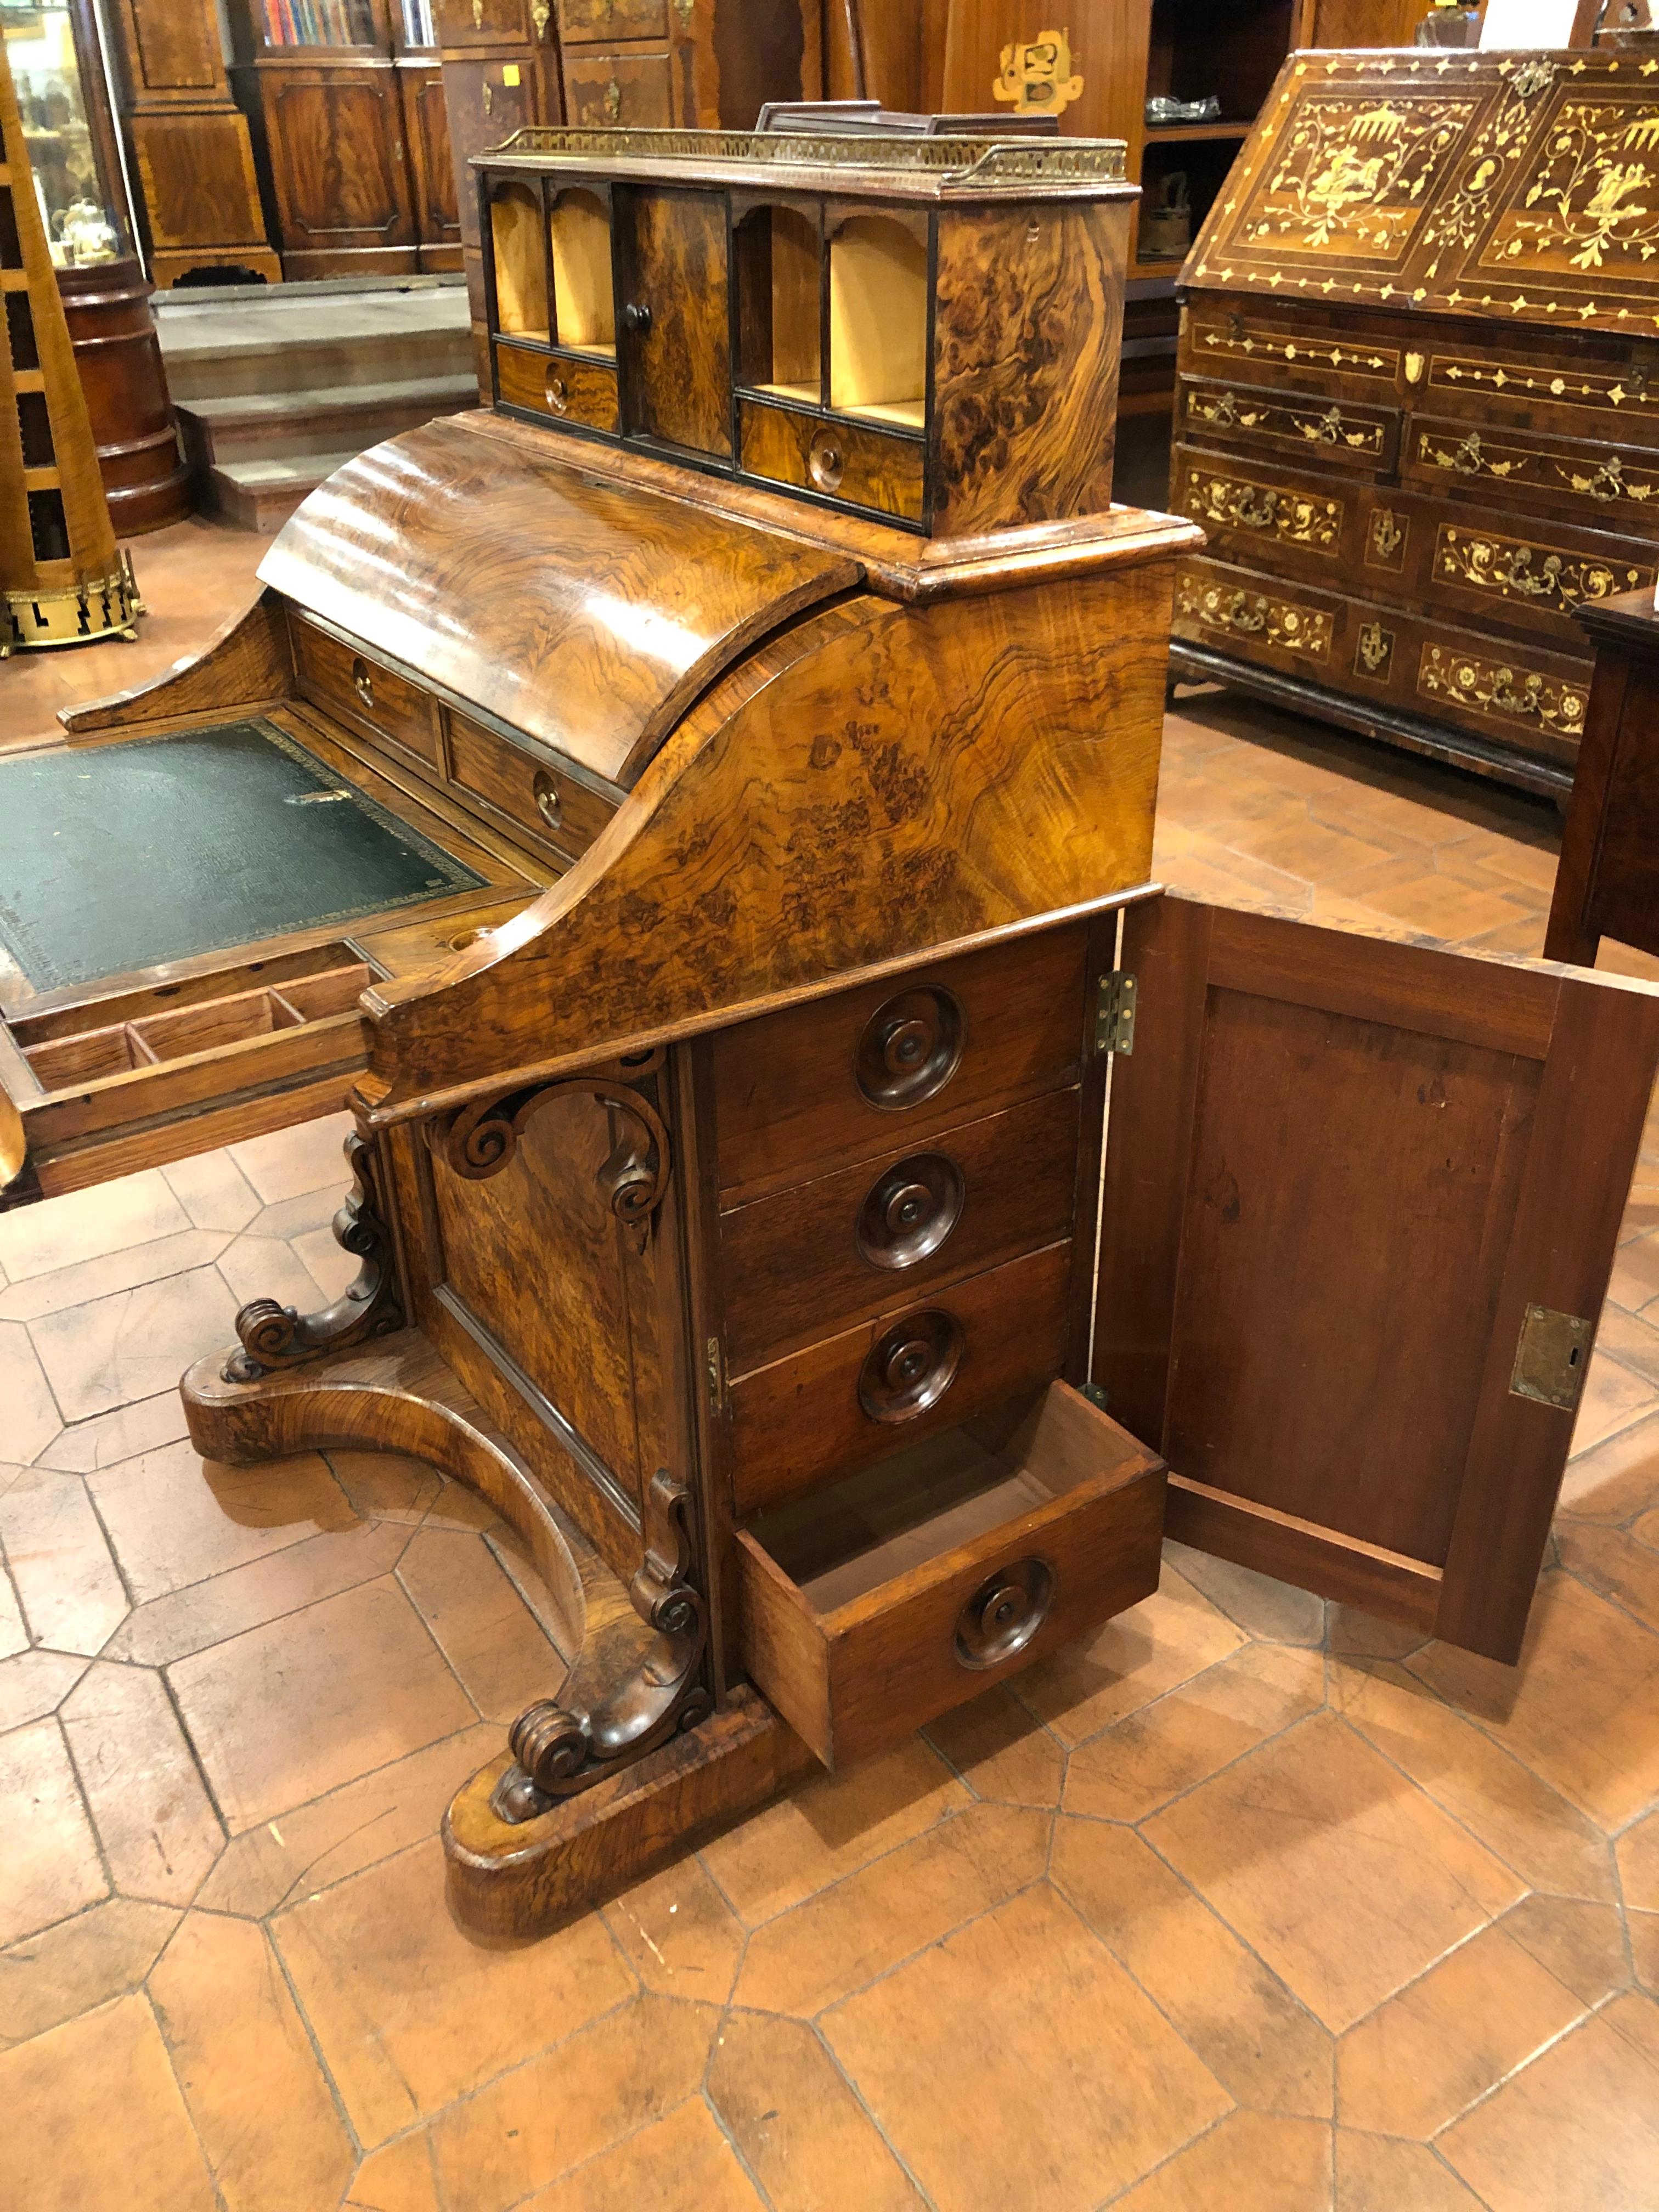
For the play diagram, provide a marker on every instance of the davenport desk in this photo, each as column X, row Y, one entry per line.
column 737, row 1206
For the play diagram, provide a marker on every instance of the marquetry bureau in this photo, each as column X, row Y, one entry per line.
column 1419, row 404
column 739, row 1216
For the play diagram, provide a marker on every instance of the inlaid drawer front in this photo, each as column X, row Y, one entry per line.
column 621, row 88
column 338, row 675
column 1240, row 344
column 857, row 1075
column 1511, row 694
column 863, row 468
column 584, row 22
column 1481, row 565
column 915, row 1368
column 909, row 1589
column 526, row 787
column 1240, row 614
column 1619, row 490
column 1249, row 508
column 806, row 1263
column 1335, row 430
column 1499, row 389
column 559, row 387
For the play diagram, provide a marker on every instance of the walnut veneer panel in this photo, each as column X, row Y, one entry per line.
column 593, row 614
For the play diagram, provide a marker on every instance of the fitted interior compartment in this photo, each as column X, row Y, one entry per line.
column 515, row 226
column 879, row 317
column 584, row 296
column 779, row 266
column 902, row 1591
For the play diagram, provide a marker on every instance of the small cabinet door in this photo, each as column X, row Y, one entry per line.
column 1362, row 1201
column 337, row 148
column 672, row 335
column 431, row 163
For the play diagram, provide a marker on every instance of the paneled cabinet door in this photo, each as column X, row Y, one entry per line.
column 431, row 163
column 171, row 49
column 673, row 341
column 485, row 101
column 492, row 22
column 1362, row 1201
column 338, row 159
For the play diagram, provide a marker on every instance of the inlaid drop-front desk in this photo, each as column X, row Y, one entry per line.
column 738, row 1210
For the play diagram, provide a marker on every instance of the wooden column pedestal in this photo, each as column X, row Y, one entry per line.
column 125, row 379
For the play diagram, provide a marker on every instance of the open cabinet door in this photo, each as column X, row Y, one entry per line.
column 1361, row 1205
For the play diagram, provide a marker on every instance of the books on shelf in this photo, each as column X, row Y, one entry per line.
column 325, row 23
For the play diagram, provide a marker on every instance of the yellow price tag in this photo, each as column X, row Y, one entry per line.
column 510, row 73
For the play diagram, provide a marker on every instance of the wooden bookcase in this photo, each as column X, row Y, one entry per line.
column 345, row 98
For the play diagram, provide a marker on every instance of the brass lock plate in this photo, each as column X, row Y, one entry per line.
column 1552, row 1357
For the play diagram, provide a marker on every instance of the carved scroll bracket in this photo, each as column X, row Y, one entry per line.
column 275, row 1337
column 561, row 1746
column 479, row 1139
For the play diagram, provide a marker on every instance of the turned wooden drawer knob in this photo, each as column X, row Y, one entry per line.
column 909, row 1210
column 1005, row 1613
column 547, row 803
column 825, row 464
column 910, row 1366
column 910, row 1049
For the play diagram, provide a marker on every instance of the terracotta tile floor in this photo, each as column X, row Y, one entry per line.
column 1248, row 1901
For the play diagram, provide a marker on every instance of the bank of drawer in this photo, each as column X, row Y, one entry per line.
column 630, row 89
column 1509, row 691
column 1251, row 344
column 846, row 1078
column 1583, row 390
column 1610, row 487
column 602, row 22
column 872, row 469
column 343, row 678
column 913, row 1369
column 1261, row 510
column 1344, row 434
column 560, row 387
column 528, row 788
column 804, row 1263
column 914, row 1587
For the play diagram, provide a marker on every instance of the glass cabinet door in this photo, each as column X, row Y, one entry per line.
column 57, row 68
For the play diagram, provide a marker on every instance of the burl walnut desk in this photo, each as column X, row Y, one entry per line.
column 739, row 1214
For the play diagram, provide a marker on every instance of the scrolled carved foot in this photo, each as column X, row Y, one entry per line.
column 275, row 1336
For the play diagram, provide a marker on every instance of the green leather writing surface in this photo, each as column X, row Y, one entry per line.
column 122, row 856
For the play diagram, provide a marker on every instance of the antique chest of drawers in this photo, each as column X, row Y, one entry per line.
column 1413, row 412
column 740, row 1213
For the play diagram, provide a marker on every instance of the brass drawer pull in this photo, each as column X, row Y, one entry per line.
column 613, row 101
column 909, row 1210
column 910, row 1049
column 547, row 803
column 1005, row 1613
column 910, row 1366
column 363, row 683
column 558, row 393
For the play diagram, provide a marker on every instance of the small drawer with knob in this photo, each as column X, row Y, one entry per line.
column 873, row 1071
column 559, row 387
column 881, row 471
column 340, row 676
column 802, row 1263
column 920, row 1364
column 633, row 89
column 910, row 1588
column 531, row 789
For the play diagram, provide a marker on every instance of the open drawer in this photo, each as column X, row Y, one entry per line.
column 905, row 1590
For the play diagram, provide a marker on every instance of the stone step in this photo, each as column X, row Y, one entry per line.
column 254, row 426
column 262, row 495
column 274, row 342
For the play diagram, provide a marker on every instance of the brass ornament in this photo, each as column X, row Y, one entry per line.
column 1503, row 689
column 1035, row 75
column 1291, row 518
column 1230, row 612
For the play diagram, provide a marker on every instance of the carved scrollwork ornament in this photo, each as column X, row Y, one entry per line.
column 560, row 1747
column 275, row 1336
column 478, row 1140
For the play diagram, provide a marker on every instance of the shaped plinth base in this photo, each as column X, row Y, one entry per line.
column 623, row 1814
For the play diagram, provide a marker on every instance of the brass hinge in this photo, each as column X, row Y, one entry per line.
column 716, row 1371
column 1114, row 1012
column 1552, row 1357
